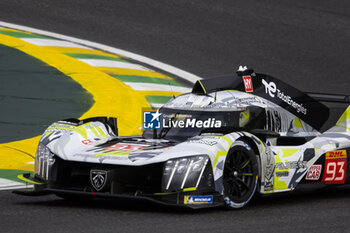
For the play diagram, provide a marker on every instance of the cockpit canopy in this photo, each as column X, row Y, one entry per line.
column 191, row 114
column 227, row 100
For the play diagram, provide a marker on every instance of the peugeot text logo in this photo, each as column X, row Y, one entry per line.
column 270, row 88
column 98, row 179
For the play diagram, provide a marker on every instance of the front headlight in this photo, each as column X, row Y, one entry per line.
column 44, row 160
column 183, row 172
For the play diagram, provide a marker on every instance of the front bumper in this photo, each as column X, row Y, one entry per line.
column 193, row 199
column 69, row 178
column 174, row 199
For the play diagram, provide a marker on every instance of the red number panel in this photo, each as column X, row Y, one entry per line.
column 335, row 167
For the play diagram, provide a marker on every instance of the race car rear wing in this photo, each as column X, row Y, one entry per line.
column 332, row 98
column 299, row 103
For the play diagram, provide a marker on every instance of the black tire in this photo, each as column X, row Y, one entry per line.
column 240, row 178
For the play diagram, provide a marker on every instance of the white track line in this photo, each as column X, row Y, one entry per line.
column 113, row 64
column 156, row 106
column 6, row 184
column 17, row 187
column 156, row 87
column 52, row 42
column 159, row 65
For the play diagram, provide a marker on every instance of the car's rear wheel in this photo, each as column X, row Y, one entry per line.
column 240, row 177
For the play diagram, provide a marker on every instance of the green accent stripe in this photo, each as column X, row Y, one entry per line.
column 245, row 164
column 189, row 189
column 158, row 99
column 22, row 34
column 205, row 92
column 146, row 79
column 12, row 174
column 247, row 174
column 94, row 56
column 21, row 177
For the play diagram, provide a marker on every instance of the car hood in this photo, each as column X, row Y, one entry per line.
column 124, row 151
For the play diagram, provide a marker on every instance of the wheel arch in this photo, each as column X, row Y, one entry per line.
column 256, row 144
column 252, row 143
column 254, row 147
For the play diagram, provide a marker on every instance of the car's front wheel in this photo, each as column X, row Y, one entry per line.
column 240, row 177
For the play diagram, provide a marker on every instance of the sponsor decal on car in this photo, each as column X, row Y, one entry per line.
column 314, row 172
column 335, row 167
column 338, row 154
column 93, row 141
column 292, row 165
column 189, row 199
column 248, row 84
column 282, row 174
column 272, row 90
column 203, row 141
column 126, row 147
column 87, row 142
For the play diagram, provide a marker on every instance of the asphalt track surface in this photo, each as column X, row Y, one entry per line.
column 304, row 43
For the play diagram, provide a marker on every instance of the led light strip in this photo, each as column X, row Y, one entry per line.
column 200, row 175
column 187, row 172
column 172, row 175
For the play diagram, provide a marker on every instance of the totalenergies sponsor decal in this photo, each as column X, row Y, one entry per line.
column 272, row 90
column 335, row 167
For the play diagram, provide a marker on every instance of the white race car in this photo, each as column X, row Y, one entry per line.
column 232, row 137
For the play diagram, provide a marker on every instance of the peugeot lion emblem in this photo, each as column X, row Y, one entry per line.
column 98, row 179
